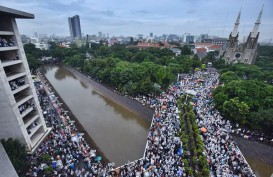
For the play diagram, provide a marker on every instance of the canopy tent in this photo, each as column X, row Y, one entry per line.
column 191, row 92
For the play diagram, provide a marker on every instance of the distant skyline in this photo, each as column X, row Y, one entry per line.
column 129, row 18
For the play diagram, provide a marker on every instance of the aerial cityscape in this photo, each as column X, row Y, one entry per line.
column 154, row 88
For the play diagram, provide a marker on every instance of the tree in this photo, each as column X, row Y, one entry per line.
column 32, row 50
column 185, row 50
column 33, row 63
column 262, row 120
column 164, row 77
column 236, row 110
column 17, row 154
column 228, row 76
column 196, row 62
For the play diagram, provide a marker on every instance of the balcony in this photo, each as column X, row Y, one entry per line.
column 6, row 33
column 10, row 62
column 37, row 136
column 27, row 111
column 8, row 48
column 30, row 119
column 14, row 75
column 34, row 129
column 22, row 99
column 20, row 88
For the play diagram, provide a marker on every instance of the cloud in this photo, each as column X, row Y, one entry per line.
column 122, row 17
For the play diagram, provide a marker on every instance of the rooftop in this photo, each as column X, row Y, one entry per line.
column 15, row 13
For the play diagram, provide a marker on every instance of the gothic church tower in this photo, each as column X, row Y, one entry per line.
column 242, row 53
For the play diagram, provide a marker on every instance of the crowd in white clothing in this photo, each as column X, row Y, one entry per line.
column 70, row 155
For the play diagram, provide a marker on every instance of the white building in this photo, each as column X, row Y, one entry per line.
column 38, row 44
column 20, row 112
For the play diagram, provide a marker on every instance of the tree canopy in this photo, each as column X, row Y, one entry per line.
column 17, row 154
column 246, row 96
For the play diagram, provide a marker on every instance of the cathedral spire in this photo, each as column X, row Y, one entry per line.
column 258, row 22
column 236, row 26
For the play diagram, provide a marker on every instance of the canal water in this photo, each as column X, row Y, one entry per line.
column 260, row 168
column 119, row 133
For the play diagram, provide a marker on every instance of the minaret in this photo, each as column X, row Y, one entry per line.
column 236, row 26
column 258, row 22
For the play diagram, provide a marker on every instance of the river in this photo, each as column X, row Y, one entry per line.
column 120, row 133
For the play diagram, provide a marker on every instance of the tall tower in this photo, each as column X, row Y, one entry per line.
column 75, row 26
column 232, row 41
column 251, row 44
column 255, row 30
column 236, row 26
column 70, row 26
column 20, row 112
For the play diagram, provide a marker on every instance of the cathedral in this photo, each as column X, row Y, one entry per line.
column 235, row 52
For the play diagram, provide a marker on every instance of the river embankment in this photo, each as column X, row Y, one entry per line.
column 253, row 149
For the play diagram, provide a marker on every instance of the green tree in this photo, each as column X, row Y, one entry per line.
column 185, row 50
column 228, row 76
column 262, row 120
column 33, row 63
column 17, row 154
column 236, row 110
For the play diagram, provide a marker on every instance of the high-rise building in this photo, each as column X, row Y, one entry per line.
column 151, row 35
column 35, row 35
column 244, row 52
column 75, row 26
column 190, row 39
column 20, row 112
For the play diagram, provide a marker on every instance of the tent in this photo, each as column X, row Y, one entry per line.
column 191, row 92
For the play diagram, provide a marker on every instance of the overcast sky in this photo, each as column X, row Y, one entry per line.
column 131, row 17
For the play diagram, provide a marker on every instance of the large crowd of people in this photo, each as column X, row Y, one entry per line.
column 6, row 42
column 224, row 157
column 70, row 155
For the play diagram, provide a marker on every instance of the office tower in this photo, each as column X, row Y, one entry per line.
column 151, row 35
column 100, row 34
column 75, row 26
column 35, row 35
column 190, row 39
column 20, row 112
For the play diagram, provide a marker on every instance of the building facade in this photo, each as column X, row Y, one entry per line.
column 20, row 112
column 235, row 52
column 75, row 26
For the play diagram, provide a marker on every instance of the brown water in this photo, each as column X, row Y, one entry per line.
column 260, row 168
column 120, row 134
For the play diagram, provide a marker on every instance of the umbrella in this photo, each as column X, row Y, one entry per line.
column 180, row 151
column 98, row 158
column 203, row 129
